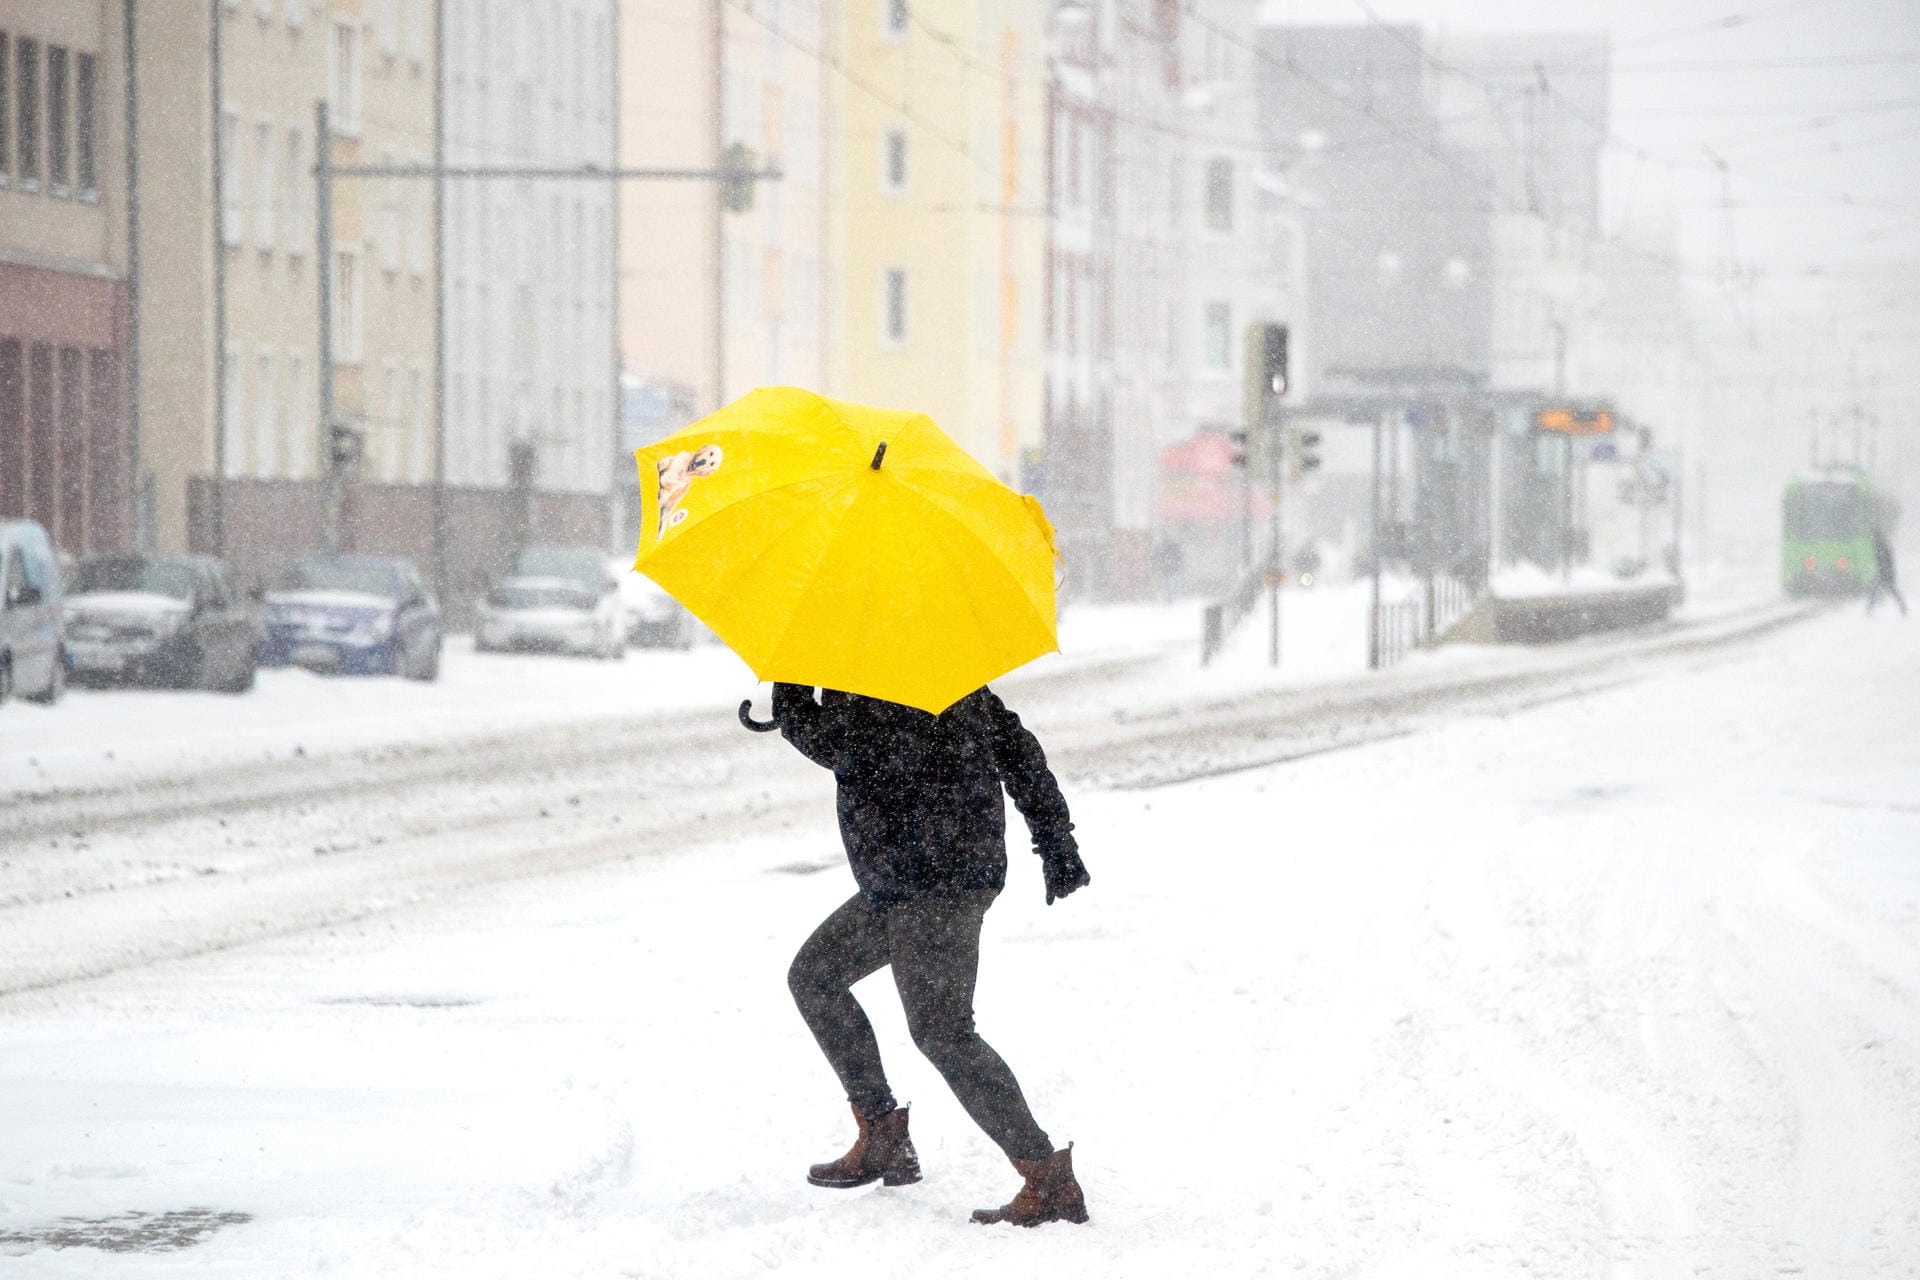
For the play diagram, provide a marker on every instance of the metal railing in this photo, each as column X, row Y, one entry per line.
column 1421, row 620
column 1217, row 621
column 1449, row 600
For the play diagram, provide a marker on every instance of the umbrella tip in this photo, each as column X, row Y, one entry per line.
column 878, row 454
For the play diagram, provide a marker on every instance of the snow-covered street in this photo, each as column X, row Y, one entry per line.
column 1592, row 961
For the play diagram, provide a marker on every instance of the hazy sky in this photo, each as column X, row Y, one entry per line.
column 1815, row 107
column 1812, row 103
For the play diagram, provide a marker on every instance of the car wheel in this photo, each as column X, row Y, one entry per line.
column 6, row 681
column 193, row 671
column 428, row 668
column 242, row 679
column 56, row 683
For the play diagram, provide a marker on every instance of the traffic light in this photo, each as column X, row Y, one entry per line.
column 344, row 444
column 1304, row 449
column 736, row 181
column 1265, row 370
column 1239, row 455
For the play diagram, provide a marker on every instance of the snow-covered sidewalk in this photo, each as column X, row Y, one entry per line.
column 1622, row 985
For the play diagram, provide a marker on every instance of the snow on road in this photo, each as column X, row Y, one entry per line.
column 1623, row 985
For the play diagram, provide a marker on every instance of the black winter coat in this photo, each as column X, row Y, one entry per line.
column 920, row 800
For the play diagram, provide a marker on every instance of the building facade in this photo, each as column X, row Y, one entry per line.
column 939, row 221
column 233, row 457
column 716, row 301
column 1165, row 241
column 532, row 379
column 66, row 291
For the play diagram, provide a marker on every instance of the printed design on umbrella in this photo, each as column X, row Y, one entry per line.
column 677, row 474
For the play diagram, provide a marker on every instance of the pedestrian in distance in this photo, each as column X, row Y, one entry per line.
column 1167, row 559
column 1883, row 579
column 923, row 820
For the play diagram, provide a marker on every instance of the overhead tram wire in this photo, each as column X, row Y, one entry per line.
column 838, row 67
column 1727, row 22
column 1429, row 145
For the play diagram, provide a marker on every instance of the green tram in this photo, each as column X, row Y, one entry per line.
column 1826, row 541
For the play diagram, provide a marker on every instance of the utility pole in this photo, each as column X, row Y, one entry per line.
column 717, row 105
column 441, row 579
column 735, row 174
column 1276, row 565
column 1373, row 505
column 323, row 172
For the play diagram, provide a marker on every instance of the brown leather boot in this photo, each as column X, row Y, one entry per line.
column 882, row 1152
column 1051, row 1194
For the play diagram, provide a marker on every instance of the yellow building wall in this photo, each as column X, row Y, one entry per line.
column 965, row 83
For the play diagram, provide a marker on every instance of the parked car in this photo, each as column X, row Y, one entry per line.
column 160, row 619
column 556, row 599
column 654, row 618
column 549, row 615
column 32, row 657
column 353, row 615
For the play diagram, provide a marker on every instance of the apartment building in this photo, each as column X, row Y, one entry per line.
column 234, row 449
column 1166, row 238
column 940, row 226
column 716, row 301
column 66, row 425
column 532, row 379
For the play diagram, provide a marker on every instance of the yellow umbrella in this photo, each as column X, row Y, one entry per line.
column 841, row 545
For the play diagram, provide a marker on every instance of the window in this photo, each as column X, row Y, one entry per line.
column 57, row 119
column 419, row 226
column 416, row 17
column 578, row 81
column 296, row 14
column 894, row 307
column 343, row 80
column 602, row 69
column 297, row 404
column 29, row 114
column 86, row 177
column 266, row 438
column 295, row 188
column 263, row 10
column 895, row 20
column 1073, row 164
column 894, row 160
column 233, row 375
column 417, row 418
column 1219, row 337
column 1220, row 194
column 232, row 210
column 346, row 306
column 266, row 187
column 386, row 24
column 6, row 109
column 387, row 235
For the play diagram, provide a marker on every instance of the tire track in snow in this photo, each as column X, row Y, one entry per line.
column 446, row 842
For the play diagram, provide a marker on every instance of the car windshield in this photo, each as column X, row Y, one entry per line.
column 1824, row 511
column 528, row 597
column 366, row 577
column 156, row 577
column 575, row 564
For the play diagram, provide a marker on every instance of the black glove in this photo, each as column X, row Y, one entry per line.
column 788, row 699
column 1060, row 864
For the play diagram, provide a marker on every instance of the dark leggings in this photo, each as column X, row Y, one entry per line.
column 933, row 944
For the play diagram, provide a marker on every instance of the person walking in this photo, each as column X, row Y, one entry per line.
column 1883, row 579
column 923, row 820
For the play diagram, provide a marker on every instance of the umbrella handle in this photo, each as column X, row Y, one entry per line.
column 758, row 726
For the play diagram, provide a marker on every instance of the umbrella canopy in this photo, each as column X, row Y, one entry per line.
column 841, row 545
